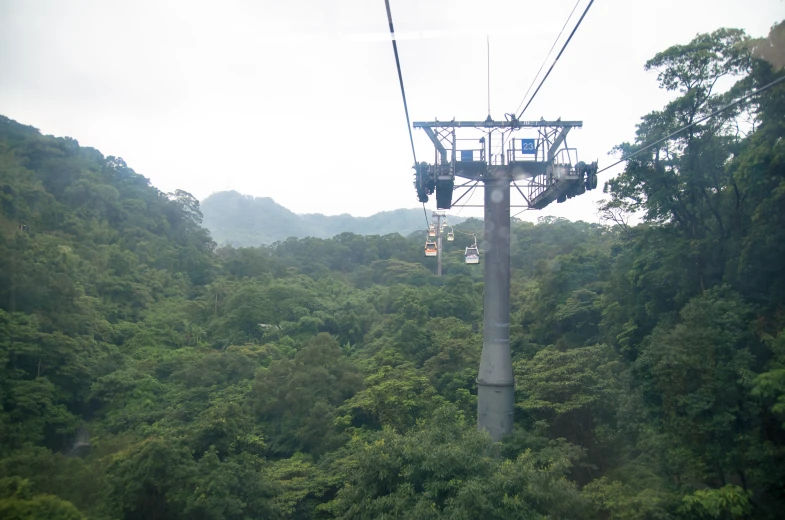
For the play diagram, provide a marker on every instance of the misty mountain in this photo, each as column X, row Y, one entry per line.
column 244, row 220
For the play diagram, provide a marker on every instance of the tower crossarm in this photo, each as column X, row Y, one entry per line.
column 540, row 162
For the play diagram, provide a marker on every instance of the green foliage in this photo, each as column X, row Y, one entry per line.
column 700, row 372
column 38, row 378
column 146, row 374
column 158, row 478
column 727, row 502
column 297, row 398
column 301, row 486
column 17, row 502
column 771, row 383
column 394, row 397
column 644, row 499
column 444, row 469
column 576, row 391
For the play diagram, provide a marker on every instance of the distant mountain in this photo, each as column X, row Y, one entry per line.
column 244, row 220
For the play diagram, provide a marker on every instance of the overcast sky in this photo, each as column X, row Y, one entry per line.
column 299, row 100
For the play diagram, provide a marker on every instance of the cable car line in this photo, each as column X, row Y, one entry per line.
column 403, row 89
column 463, row 185
column 403, row 93
column 471, row 194
column 702, row 119
column 400, row 78
column 557, row 58
column 534, row 79
column 685, row 127
column 469, row 191
column 522, row 211
column 463, row 233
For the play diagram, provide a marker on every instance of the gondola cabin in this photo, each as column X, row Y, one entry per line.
column 431, row 249
column 450, row 236
column 431, row 230
column 472, row 255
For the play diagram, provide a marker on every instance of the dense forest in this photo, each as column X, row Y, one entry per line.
column 244, row 221
column 149, row 374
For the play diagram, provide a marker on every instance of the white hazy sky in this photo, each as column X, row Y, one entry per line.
column 299, row 101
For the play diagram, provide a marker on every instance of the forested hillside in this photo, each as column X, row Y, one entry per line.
column 245, row 221
column 147, row 374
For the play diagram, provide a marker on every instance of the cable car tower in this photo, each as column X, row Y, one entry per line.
column 542, row 169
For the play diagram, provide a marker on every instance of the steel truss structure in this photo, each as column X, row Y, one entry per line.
column 544, row 169
column 546, row 172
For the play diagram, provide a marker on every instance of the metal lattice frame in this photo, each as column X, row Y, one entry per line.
column 540, row 178
column 552, row 174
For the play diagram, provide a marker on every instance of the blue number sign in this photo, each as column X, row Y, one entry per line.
column 528, row 146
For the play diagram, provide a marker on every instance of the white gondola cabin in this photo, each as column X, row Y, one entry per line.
column 450, row 235
column 473, row 253
column 431, row 230
column 431, row 249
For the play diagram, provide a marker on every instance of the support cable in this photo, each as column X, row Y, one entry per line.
column 467, row 200
column 534, row 79
column 557, row 58
column 400, row 78
column 685, row 127
column 403, row 95
column 702, row 119
column 523, row 210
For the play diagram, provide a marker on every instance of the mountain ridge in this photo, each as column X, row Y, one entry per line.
column 240, row 220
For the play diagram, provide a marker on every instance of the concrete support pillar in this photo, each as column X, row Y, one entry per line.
column 495, row 383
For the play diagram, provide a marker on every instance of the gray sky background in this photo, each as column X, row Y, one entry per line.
column 299, row 101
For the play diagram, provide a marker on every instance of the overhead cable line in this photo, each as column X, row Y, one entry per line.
column 534, row 79
column 467, row 200
column 685, row 127
column 403, row 95
column 557, row 58
column 702, row 119
column 400, row 78
column 527, row 209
